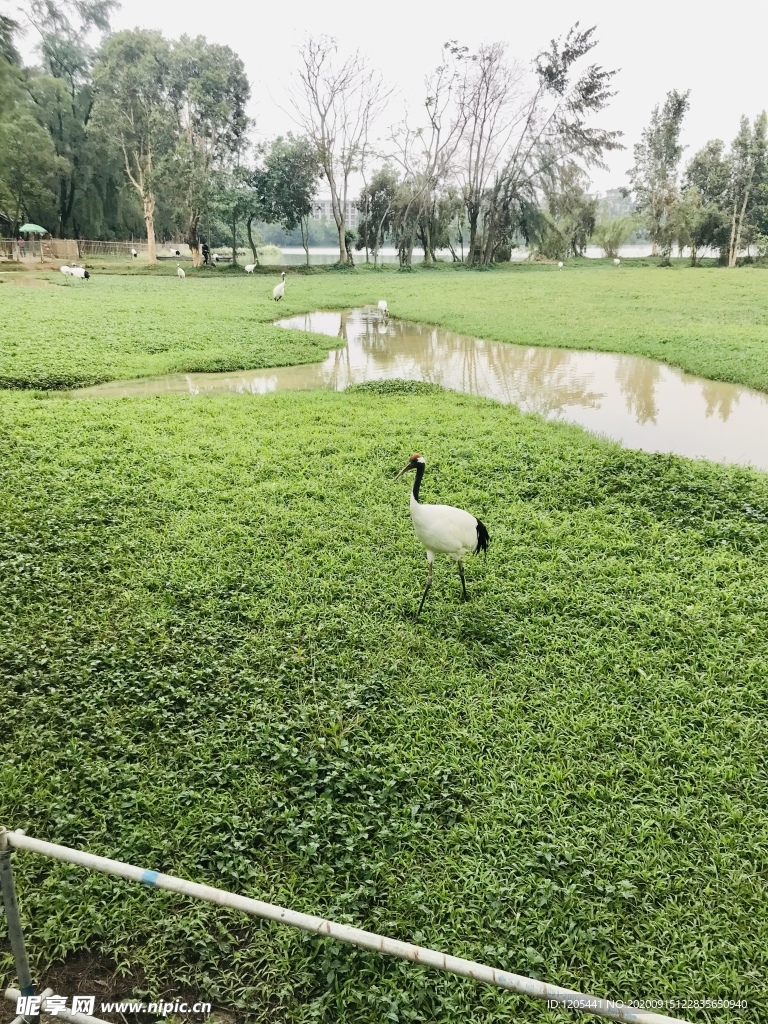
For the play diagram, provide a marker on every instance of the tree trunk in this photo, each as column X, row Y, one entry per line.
column 342, row 242
column 251, row 242
column 738, row 223
column 304, row 226
column 149, row 221
column 234, row 238
column 427, row 243
column 472, row 212
column 193, row 240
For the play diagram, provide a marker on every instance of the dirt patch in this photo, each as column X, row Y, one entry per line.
column 90, row 975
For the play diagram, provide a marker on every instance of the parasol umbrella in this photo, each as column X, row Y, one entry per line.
column 33, row 229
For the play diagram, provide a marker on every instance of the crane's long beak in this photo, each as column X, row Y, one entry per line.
column 403, row 470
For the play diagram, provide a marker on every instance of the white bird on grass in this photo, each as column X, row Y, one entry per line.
column 616, row 263
column 279, row 290
column 79, row 272
column 249, row 268
column 383, row 306
column 560, row 266
column 179, row 272
column 66, row 271
column 443, row 529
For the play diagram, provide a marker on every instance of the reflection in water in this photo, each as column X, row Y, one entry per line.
column 639, row 402
column 638, row 379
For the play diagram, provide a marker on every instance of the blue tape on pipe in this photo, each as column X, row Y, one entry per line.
column 149, row 877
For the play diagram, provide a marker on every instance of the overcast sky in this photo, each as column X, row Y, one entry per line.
column 657, row 45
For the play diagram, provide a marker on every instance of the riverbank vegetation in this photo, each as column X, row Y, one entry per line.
column 70, row 334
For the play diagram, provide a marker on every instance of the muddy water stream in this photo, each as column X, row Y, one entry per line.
column 636, row 401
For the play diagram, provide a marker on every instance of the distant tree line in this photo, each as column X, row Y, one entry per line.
column 720, row 201
column 129, row 134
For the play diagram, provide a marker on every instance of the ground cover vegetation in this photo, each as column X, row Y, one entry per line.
column 211, row 667
column 125, row 135
column 147, row 323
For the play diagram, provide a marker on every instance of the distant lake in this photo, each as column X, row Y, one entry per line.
column 292, row 255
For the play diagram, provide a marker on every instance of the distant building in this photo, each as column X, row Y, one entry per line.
column 615, row 204
column 323, row 210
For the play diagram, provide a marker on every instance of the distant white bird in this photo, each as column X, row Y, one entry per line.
column 383, row 306
column 179, row 272
column 616, row 263
column 134, row 253
column 279, row 290
column 560, row 265
column 215, row 258
column 249, row 268
column 66, row 271
column 79, row 272
column 443, row 529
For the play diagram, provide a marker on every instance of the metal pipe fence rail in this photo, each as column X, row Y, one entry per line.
column 554, row 994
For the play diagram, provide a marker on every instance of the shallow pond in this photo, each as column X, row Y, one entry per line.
column 636, row 401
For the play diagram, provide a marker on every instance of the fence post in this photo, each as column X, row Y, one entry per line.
column 15, row 933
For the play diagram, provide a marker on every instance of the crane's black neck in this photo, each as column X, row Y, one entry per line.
column 417, row 482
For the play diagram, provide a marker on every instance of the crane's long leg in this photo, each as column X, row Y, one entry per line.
column 430, row 559
column 463, row 586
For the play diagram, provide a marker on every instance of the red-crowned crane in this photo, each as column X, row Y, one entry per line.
column 617, row 262
column 179, row 272
column 279, row 290
column 383, row 306
column 443, row 529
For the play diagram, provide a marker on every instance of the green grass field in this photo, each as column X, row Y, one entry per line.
column 211, row 664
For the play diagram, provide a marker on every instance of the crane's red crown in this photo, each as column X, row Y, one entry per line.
column 415, row 456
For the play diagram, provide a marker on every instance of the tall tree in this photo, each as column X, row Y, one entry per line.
column 376, row 203
column 133, row 107
column 708, row 175
column 10, row 66
column 335, row 104
column 209, row 90
column 63, row 93
column 28, row 170
column 749, row 170
column 426, row 151
column 518, row 132
column 287, row 183
column 654, row 174
column 573, row 212
column 28, row 161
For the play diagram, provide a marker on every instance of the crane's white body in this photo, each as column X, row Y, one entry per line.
column 559, row 266
column 78, row 272
column 383, row 306
column 66, row 271
column 279, row 290
column 249, row 268
column 180, row 273
column 444, row 530
column 616, row 263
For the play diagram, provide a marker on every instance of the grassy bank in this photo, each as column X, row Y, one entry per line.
column 709, row 321
column 211, row 667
